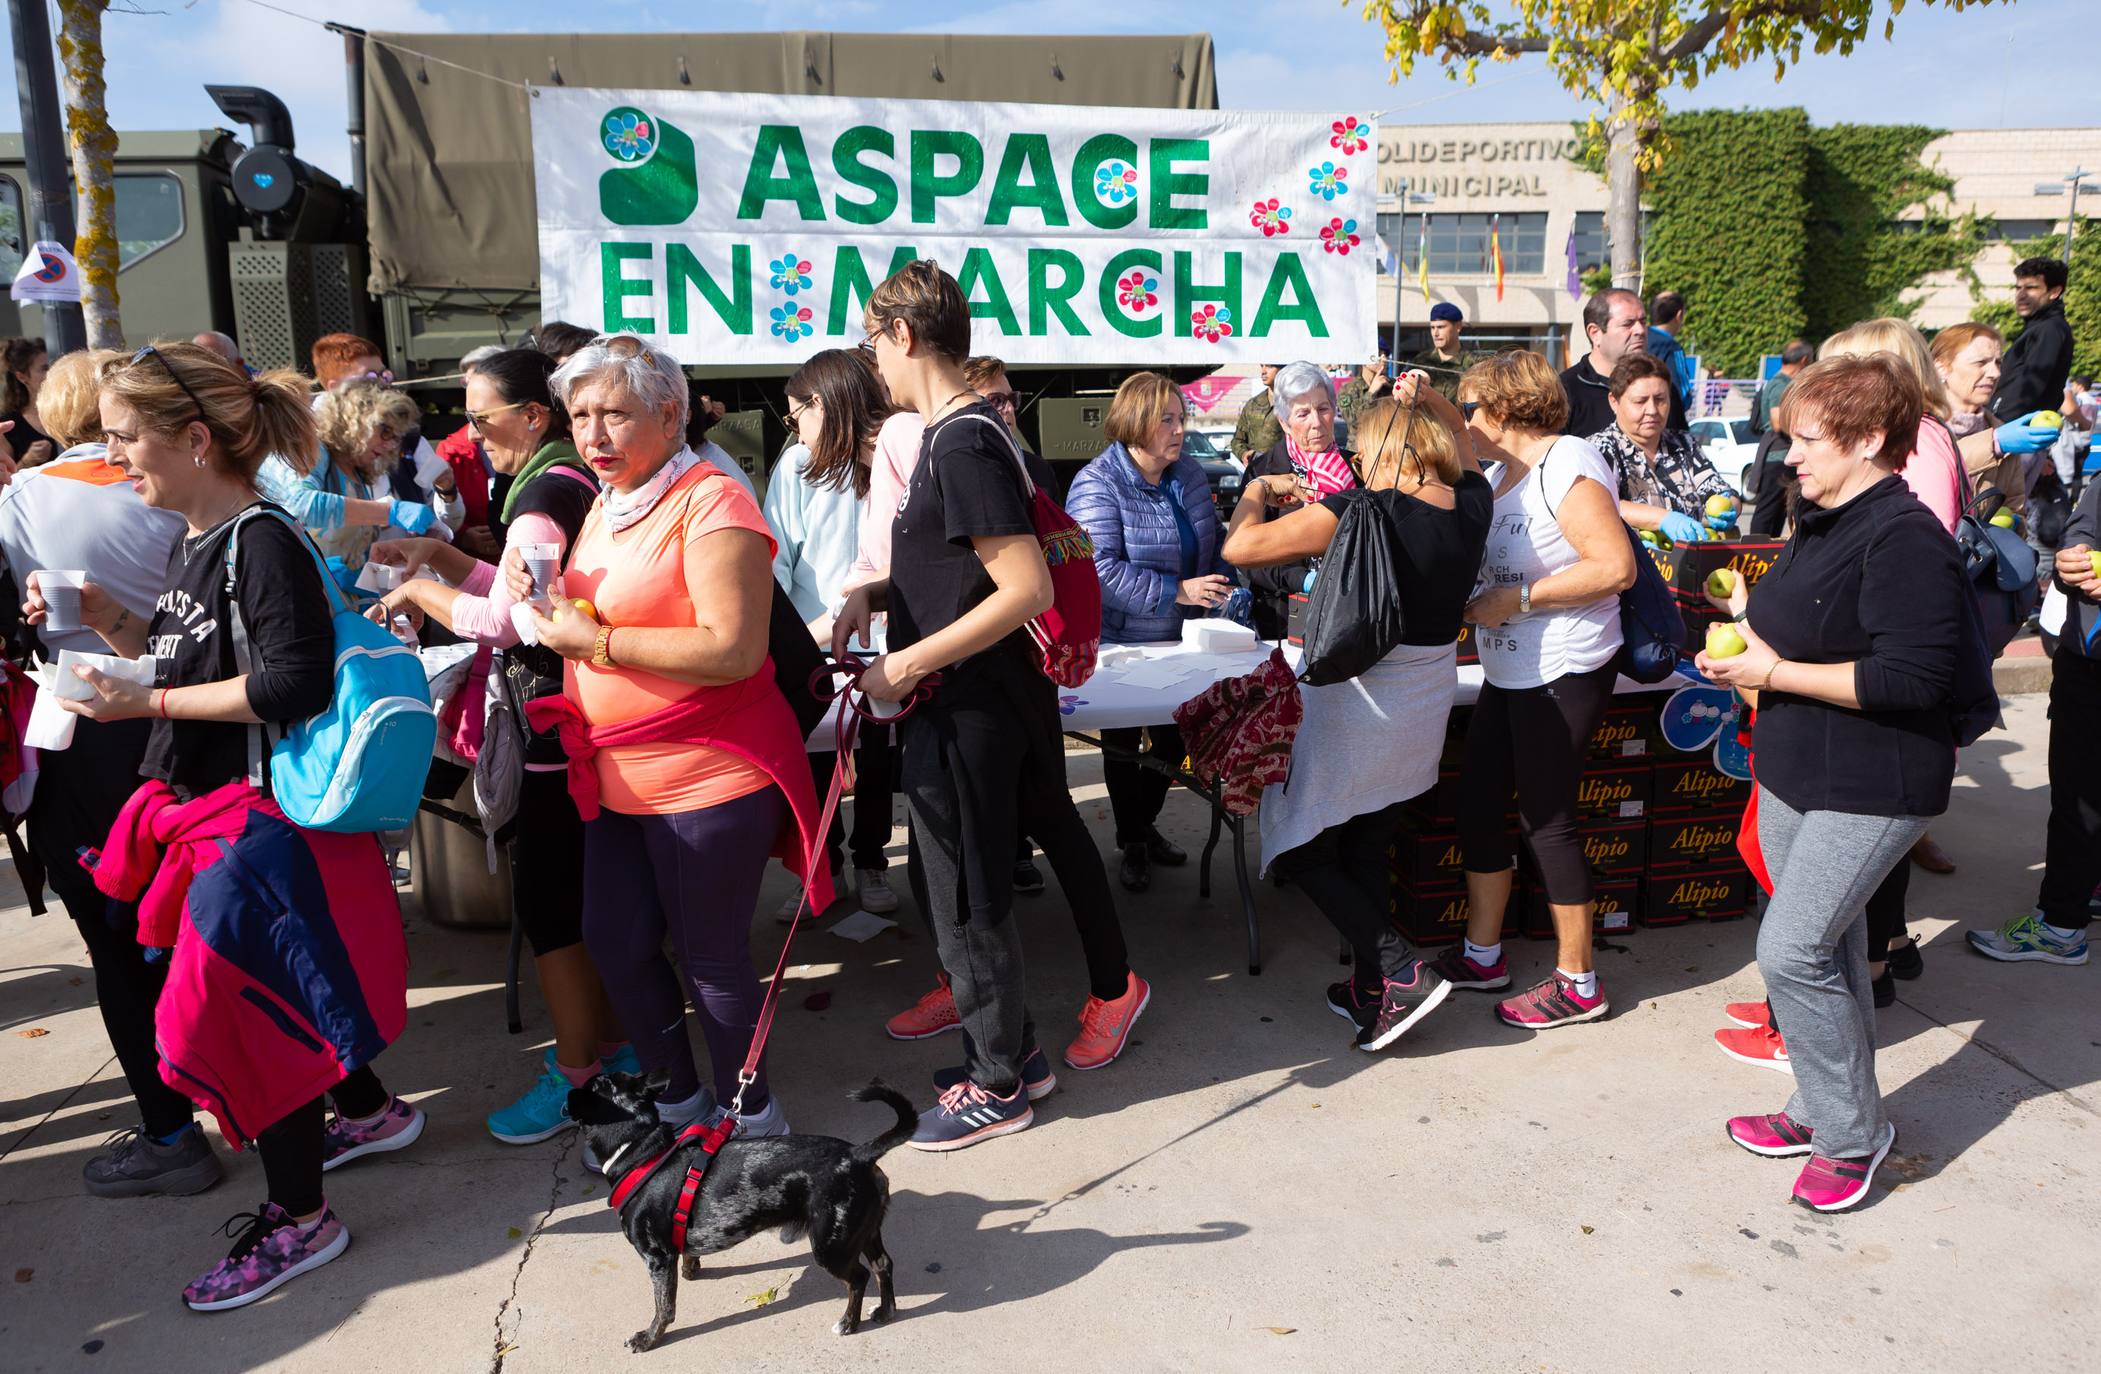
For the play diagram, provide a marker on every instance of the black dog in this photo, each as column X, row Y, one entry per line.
column 815, row 1184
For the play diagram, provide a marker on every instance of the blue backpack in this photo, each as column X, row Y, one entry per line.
column 359, row 765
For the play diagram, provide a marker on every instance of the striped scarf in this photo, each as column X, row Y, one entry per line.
column 1327, row 473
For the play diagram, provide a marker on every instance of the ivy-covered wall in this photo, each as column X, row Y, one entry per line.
column 2082, row 295
column 1862, row 178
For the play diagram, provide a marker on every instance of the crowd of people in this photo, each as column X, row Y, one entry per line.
column 643, row 601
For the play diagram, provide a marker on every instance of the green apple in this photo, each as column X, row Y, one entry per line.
column 1724, row 640
column 1721, row 583
column 1719, row 506
column 2003, row 519
column 2095, row 559
column 2047, row 419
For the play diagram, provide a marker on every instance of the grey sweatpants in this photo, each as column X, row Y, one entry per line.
column 1813, row 952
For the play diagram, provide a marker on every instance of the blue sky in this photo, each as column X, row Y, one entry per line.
column 2005, row 66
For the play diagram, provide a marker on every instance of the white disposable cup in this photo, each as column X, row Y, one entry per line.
column 542, row 561
column 61, row 589
column 387, row 576
column 66, row 684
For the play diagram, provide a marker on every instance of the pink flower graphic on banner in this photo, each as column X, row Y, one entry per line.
column 1271, row 217
column 790, row 273
column 1211, row 322
column 1339, row 236
column 1136, row 290
column 792, row 321
column 1328, row 181
column 1351, row 134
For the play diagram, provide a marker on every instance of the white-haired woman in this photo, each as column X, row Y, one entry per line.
column 684, row 758
column 1304, row 401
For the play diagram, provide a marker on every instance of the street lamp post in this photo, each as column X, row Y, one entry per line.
column 1400, row 277
column 2073, row 180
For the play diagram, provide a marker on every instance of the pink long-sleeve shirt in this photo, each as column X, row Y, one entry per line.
column 1934, row 474
column 482, row 611
column 896, row 454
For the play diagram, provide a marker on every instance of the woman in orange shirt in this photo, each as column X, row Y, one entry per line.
column 685, row 759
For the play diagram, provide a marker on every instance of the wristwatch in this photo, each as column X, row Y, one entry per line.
column 1524, row 598
column 602, row 651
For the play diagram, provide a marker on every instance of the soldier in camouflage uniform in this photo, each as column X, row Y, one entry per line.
column 1258, row 431
column 1444, row 359
column 1361, row 390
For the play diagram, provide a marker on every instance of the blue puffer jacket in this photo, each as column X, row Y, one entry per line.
column 1137, row 552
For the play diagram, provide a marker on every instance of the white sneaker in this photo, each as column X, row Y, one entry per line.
column 772, row 1121
column 876, row 897
column 792, row 903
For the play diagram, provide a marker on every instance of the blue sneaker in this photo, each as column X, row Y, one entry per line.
column 967, row 1114
column 1036, row 1076
column 622, row 1060
column 543, row 1112
column 2027, row 939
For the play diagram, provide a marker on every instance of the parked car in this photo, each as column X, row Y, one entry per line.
column 1729, row 445
column 1224, row 470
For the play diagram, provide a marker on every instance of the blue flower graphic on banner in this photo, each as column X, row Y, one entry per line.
column 1328, row 181
column 791, row 322
column 629, row 135
column 790, row 273
column 1115, row 182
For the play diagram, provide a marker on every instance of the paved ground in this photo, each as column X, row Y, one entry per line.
column 1244, row 1190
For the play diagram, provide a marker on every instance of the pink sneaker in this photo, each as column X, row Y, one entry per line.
column 1552, row 1003
column 396, row 1128
column 1762, row 1046
column 271, row 1252
column 1749, row 1015
column 1776, row 1136
column 1833, row 1185
column 1463, row 973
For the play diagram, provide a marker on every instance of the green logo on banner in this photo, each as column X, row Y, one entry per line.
column 655, row 181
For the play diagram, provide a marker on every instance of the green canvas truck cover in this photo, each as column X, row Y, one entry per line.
column 449, row 151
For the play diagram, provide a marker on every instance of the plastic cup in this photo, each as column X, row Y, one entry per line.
column 542, row 562
column 61, row 590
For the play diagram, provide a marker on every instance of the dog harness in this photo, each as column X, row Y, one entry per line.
column 711, row 1139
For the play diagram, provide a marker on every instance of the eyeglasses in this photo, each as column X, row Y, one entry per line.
column 1467, row 408
column 796, row 412
column 1005, row 400
column 625, row 346
column 149, row 351
column 384, row 376
column 482, row 417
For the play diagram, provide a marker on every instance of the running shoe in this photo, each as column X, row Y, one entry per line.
column 1833, row 1185
column 1884, row 989
column 271, row 1252
column 1749, row 1015
column 2025, row 940
column 1554, row 1002
column 1760, row 1045
column 968, row 1114
column 771, row 1121
column 1775, row 1136
column 1907, row 961
column 542, row 1113
column 1464, row 974
column 1105, row 1027
column 1027, row 877
column 396, row 1128
column 1036, row 1076
column 876, row 897
column 134, row 1164
column 930, row 1016
column 1403, row 1004
column 1358, row 1008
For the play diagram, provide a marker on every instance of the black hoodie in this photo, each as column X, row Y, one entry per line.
column 2032, row 377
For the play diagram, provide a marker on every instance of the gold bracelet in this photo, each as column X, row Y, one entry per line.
column 1767, row 685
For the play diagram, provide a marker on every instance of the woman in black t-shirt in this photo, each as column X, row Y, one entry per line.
column 1368, row 745
column 302, row 977
column 23, row 365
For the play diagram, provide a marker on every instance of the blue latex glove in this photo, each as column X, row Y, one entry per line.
column 2018, row 436
column 413, row 516
column 1680, row 528
column 1306, row 587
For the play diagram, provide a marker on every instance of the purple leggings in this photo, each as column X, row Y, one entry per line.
column 697, row 873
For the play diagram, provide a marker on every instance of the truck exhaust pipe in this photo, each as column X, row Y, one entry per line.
column 354, row 77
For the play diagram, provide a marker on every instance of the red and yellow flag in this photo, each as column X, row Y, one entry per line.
column 1495, row 250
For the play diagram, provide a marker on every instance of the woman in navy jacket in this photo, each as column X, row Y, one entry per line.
column 1148, row 509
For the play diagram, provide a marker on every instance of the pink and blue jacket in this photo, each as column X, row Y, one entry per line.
column 289, row 967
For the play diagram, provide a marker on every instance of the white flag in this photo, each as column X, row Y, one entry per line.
column 1389, row 261
column 48, row 274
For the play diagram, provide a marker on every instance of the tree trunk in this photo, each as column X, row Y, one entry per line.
column 1623, row 183
column 94, row 151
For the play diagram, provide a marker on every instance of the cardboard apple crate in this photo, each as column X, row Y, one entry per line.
column 1616, row 905
column 1686, row 566
column 1631, row 729
column 1618, row 790
column 1675, row 841
column 1438, row 915
column 1695, row 892
column 1612, row 849
column 1693, row 786
column 1427, row 859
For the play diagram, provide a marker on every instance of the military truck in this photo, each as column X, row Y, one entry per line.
column 432, row 247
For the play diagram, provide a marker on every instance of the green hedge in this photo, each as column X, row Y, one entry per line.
column 1862, row 178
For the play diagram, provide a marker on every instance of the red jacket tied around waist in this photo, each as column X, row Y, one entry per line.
column 289, row 967
column 750, row 719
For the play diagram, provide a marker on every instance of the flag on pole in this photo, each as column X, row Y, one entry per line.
column 1422, row 256
column 1575, row 275
column 1389, row 261
column 1495, row 250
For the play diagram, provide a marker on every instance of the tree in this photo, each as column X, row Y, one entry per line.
column 1626, row 54
column 94, row 153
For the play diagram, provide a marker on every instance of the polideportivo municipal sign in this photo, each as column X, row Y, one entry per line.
column 751, row 229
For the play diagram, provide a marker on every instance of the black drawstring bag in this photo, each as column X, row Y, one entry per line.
column 1353, row 617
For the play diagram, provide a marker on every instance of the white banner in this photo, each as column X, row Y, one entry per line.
column 743, row 229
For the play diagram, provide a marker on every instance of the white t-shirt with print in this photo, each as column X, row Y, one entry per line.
column 1525, row 544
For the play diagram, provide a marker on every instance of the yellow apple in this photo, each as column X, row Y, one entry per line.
column 2095, row 559
column 2047, row 419
column 1719, row 506
column 2003, row 519
column 1724, row 640
column 586, row 607
column 1721, row 583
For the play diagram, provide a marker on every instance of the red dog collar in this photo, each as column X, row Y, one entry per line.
column 711, row 1139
